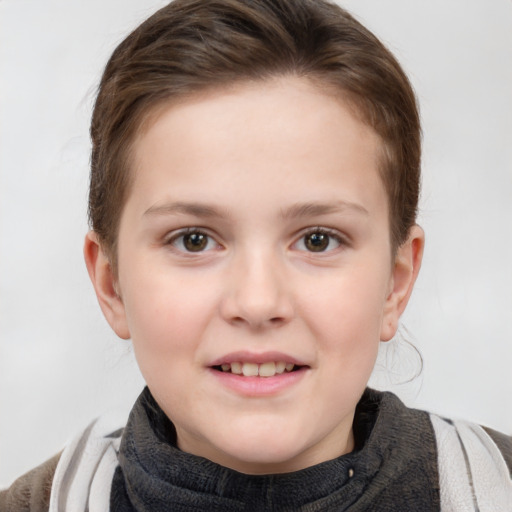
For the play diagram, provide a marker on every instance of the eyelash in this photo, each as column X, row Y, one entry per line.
column 174, row 238
column 331, row 234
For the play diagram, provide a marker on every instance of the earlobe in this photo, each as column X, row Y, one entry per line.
column 105, row 285
column 405, row 271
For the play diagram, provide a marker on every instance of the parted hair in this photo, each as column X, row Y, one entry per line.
column 189, row 46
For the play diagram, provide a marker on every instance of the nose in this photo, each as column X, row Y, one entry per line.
column 257, row 293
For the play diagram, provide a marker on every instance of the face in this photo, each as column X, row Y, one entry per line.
column 255, row 274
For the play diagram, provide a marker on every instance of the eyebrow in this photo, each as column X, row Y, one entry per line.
column 313, row 209
column 196, row 209
column 308, row 209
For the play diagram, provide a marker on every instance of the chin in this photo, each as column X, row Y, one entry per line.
column 264, row 455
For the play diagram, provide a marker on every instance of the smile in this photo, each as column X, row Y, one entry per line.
column 267, row 369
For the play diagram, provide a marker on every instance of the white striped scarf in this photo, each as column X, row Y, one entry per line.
column 84, row 474
column 473, row 474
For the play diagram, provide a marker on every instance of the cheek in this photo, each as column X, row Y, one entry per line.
column 167, row 313
column 166, row 322
column 347, row 311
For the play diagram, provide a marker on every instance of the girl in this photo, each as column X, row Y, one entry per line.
column 253, row 197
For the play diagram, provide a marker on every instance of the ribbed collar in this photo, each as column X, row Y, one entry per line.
column 156, row 476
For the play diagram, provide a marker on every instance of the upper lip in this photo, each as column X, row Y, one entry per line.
column 257, row 358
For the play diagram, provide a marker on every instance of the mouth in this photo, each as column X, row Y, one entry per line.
column 249, row 369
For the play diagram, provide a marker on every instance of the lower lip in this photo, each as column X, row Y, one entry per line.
column 259, row 386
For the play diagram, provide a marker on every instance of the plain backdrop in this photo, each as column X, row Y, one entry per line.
column 60, row 366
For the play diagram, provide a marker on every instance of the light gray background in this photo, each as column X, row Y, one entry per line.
column 60, row 366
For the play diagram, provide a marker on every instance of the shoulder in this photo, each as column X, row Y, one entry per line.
column 83, row 477
column 471, row 464
column 30, row 492
column 504, row 443
column 79, row 478
column 474, row 465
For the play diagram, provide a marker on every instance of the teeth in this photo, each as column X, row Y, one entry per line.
column 280, row 367
column 236, row 368
column 250, row 369
column 268, row 369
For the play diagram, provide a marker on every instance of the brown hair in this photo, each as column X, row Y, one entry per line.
column 191, row 45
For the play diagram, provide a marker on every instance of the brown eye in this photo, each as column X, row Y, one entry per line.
column 319, row 240
column 192, row 241
column 316, row 242
column 195, row 242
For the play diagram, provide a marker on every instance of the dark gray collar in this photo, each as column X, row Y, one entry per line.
column 393, row 468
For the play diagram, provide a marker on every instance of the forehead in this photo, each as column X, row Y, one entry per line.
column 209, row 105
column 289, row 126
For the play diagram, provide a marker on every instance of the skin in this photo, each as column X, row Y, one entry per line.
column 257, row 169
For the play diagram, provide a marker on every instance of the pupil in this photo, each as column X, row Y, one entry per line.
column 195, row 242
column 317, row 242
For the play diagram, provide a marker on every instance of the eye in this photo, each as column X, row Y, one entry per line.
column 192, row 240
column 319, row 240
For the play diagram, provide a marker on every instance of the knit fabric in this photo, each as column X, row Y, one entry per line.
column 394, row 467
column 31, row 492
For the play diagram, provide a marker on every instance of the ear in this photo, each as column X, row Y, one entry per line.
column 105, row 285
column 405, row 271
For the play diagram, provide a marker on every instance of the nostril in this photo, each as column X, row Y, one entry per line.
column 274, row 321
